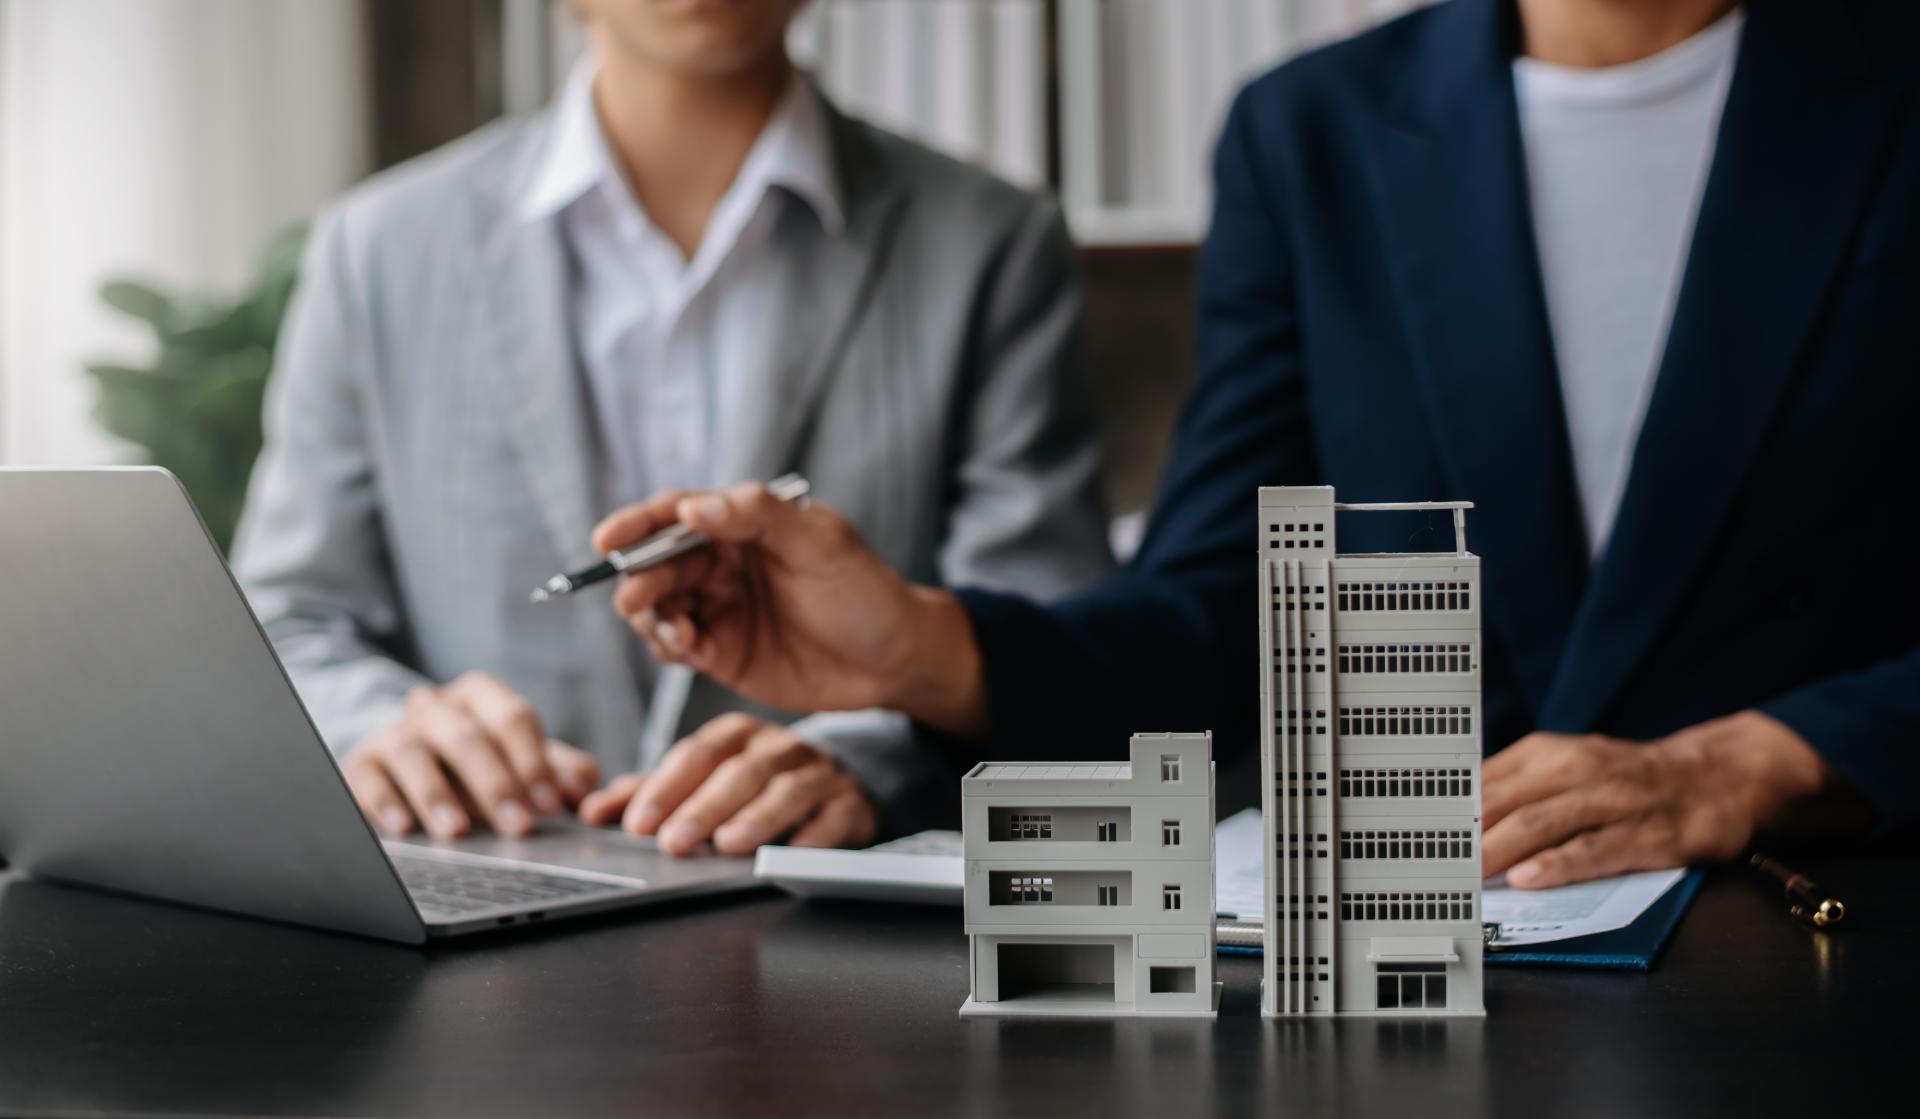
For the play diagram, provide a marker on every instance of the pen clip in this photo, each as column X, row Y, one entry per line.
column 789, row 487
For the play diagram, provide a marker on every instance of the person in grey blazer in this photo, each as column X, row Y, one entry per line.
column 691, row 270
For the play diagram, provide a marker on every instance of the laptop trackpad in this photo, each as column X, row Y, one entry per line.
column 566, row 842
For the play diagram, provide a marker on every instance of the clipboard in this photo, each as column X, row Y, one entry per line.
column 1633, row 948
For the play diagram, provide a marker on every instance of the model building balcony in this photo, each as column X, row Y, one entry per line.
column 1105, row 823
column 1004, row 893
column 1059, row 888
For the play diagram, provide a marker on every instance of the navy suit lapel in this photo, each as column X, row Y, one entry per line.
column 1804, row 126
column 1450, row 180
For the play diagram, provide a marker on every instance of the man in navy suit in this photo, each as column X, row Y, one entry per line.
column 1642, row 280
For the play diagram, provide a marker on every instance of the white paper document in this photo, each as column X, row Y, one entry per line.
column 1563, row 912
column 1524, row 916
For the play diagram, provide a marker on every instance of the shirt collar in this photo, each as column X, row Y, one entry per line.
column 794, row 152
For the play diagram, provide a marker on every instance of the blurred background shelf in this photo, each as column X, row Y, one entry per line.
column 250, row 113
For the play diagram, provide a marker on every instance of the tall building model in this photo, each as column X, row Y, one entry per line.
column 1370, row 762
column 1089, row 888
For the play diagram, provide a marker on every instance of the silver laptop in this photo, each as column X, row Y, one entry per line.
column 151, row 743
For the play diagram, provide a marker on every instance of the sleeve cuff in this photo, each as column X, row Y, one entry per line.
column 1027, row 705
column 1873, row 751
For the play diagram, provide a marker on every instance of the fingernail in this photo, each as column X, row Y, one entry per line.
column 682, row 836
column 449, row 820
column 395, row 820
column 729, row 837
column 707, row 508
column 667, row 635
column 646, row 817
column 1524, row 873
column 544, row 797
column 513, row 819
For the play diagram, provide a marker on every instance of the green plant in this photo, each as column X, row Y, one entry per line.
column 196, row 409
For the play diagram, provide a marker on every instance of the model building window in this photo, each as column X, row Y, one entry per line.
column 1032, row 826
column 1170, row 897
column 1169, row 767
column 1109, row 895
column 1169, row 833
column 1106, row 831
column 1411, row 986
column 1033, row 889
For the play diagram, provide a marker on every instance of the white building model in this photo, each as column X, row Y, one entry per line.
column 1089, row 888
column 1370, row 762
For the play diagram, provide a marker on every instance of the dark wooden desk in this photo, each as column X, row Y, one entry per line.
column 765, row 1006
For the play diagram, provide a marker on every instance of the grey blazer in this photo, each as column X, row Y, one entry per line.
column 429, row 455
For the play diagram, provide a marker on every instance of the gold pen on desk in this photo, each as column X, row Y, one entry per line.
column 1805, row 899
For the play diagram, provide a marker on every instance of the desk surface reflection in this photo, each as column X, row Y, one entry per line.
column 764, row 1005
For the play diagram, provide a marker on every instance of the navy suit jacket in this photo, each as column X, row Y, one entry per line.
column 1371, row 317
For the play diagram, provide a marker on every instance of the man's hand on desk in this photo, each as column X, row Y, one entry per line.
column 471, row 747
column 741, row 782
column 790, row 606
column 1566, row 808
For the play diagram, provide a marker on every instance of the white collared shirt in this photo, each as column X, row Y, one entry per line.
column 665, row 340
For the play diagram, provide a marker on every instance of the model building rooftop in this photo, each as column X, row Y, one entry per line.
column 1051, row 771
column 1162, row 764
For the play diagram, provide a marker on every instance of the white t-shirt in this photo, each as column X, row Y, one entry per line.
column 1617, row 158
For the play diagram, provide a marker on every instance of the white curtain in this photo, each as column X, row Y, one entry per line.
column 160, row 139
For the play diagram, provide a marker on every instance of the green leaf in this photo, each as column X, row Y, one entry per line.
column 219, row 332
column 196, row 410
column 141, row 301
column 280, row 260
column 135, row 405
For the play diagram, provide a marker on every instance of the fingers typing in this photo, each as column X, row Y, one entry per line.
column 604, row 807
column 416, row 770
column 472, row 755
column 683, row 769
column 847, row 820
column 513, row 727
column 733, row 784
column 578, row 773
column 790, row 799
column 377, row 795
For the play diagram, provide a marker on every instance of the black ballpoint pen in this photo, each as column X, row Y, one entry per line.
column 654, row 550
column 1805, row 899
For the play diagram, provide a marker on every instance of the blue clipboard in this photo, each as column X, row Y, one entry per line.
column 1633, row 948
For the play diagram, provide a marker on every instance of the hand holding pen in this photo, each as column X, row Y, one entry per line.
column 789, row 606
column 667, row 544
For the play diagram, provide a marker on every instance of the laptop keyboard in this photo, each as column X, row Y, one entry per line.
column 444, row 886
